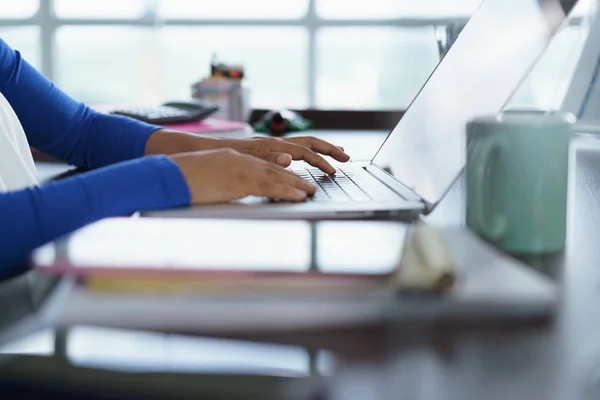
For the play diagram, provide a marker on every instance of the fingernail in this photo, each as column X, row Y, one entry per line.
column 301, row 194
column 284, row 159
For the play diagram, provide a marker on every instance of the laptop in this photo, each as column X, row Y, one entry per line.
column 424, row 154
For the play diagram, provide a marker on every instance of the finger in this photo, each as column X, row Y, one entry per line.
column 299, row 152
column 282, row 175
column 277, row 190
column 282, row 159
column 261, row 169
column 321, row 146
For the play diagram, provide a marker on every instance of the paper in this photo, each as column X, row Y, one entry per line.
column 214, row 126
column 427, row 262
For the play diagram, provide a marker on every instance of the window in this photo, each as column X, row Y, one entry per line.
column 101, row 64
column 385, row 9
column 275, row 59
column 100, row 9
column 21, row 9
column 25, row 36
column 233, row 9
column 26, row 39
column 297, row 53
column 371, row 68
column 129, row 64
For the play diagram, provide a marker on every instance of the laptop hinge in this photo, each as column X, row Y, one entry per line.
column 394, row 184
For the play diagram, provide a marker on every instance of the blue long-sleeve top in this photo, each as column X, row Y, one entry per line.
column 69, row 130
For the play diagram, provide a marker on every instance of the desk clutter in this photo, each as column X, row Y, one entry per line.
column 207, row 124
column 180, row 275
column 214, row 127
column 227, row 88
column 427, row 262
column 187, row 111
column 279, row 122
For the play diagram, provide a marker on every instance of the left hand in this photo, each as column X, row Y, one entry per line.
column 283, row 151
column 275, row 150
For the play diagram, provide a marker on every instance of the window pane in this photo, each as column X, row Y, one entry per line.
column 547, row 84
column 373, row 67
column 233, row 9
column 128, row 64
column 275, row 60
column 18, row 8
column 384, row 9
column 25, row 39
column 104, row 64
column 99, row 9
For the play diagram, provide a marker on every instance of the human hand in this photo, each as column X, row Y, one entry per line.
column 217, row 176
column 275, row 150
column 283, row 151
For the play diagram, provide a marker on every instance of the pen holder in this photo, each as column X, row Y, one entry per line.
column 231, row 95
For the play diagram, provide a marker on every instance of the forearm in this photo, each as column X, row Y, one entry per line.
column 64, row 128
column 165, row 141
column 32, row 217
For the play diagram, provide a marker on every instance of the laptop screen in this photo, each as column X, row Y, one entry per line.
column 492, row 55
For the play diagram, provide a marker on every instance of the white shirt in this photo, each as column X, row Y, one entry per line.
column 17, row 169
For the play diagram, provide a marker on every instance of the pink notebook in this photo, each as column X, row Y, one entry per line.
column 210, row 125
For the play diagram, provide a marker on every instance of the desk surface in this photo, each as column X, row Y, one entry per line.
column 157, row 365
column 559, row 360
column 555, row 360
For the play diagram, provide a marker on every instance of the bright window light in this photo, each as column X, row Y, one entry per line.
column 233, row 9
column 18, row 9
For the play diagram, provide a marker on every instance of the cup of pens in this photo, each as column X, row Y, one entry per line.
column 226, row 86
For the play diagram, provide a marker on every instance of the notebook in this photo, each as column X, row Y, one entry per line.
column 208, row 126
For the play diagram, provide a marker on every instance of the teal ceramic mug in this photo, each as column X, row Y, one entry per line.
column 517, row 170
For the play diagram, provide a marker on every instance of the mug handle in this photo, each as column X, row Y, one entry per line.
column 493, row 226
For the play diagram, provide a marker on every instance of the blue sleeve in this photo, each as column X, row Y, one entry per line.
column 31, row 217
column 62, row 127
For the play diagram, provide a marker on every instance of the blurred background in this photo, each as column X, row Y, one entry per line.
column 300, row 54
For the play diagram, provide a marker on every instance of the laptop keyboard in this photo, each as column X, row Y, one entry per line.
column 341, row 187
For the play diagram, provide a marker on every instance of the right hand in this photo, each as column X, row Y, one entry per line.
column 218, row 176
